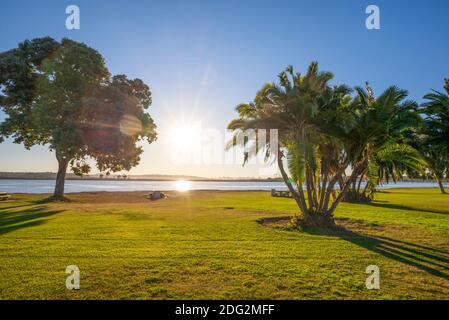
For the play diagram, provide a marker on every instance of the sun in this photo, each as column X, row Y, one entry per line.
column 185, row 136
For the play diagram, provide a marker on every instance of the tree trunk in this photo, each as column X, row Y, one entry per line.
column 359, row 168
column 440, row 184
column 60, row 179
column 360, row 184
column 309, row 186
column 300, row 201
column 365, row 188
column 323, row 190
column 330, row 187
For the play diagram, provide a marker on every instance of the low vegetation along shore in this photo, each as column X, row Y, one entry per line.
column 233, row 245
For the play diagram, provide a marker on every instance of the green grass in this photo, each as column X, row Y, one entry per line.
column 220, row 245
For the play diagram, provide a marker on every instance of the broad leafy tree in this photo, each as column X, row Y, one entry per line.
column 62, row 94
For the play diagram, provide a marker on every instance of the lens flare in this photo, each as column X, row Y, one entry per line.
column 130, row 125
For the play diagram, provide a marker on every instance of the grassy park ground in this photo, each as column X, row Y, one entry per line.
column 222, row 245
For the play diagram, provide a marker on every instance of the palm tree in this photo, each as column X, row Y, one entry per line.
column 309, row 116
column 378, row 138
column 323, row 132
column 434, row 144
column 438, row 164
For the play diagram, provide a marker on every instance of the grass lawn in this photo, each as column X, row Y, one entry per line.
column 222, row 245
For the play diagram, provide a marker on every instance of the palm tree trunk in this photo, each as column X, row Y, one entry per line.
column 300, row 201
column 440, row 184
column 360, row 184
column 330, row 187
column 360, row 167
column 310, row 187
column 365, row 189
column 323, row 191
column 315, row 192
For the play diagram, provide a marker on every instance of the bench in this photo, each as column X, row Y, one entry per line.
column 156, row 195
column 4, row 196
column 281, row 194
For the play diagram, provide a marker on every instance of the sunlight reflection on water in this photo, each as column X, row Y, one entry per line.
column 182, row 185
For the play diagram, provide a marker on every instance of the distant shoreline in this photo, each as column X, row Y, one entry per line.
column 144, row 179
column 171, row 179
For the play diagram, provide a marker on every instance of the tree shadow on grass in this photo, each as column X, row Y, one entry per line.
column 11, row 220
column 11, row 204
column 402, row 207
column 2, row 209
column 432, row 260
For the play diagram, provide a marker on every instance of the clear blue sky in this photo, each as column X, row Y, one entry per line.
column 201, row 58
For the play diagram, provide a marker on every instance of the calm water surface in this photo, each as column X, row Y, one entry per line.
column 47, row 186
